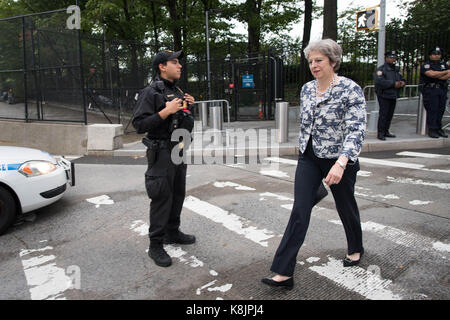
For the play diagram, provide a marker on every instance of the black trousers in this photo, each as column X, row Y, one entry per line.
column 434, row 100
column 308, row 176
column 166, row 186
column 387, row 107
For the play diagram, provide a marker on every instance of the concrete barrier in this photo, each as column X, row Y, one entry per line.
column 55, row 138
column 104, row 137
column 62, row 139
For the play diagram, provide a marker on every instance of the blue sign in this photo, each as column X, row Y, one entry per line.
column 247, row 81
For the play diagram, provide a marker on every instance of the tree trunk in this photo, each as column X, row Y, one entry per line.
column 253, row 8
column 330, row 19
column 133, row 49
column 176, row 28
column 155, row 27
column 305, row 40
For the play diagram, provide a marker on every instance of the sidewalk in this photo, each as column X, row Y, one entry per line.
column 404, row 127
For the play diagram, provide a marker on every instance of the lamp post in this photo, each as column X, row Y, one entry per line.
column 208, row 67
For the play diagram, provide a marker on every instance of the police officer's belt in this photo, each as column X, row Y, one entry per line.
column 157, row 144
column 435, row 85
column 161, row 144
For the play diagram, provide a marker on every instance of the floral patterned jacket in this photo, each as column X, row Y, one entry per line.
column 336, row 122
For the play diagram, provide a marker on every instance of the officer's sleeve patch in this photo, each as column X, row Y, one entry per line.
column 427, row 66
column 379, row 73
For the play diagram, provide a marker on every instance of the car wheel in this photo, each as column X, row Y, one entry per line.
column 7, row 210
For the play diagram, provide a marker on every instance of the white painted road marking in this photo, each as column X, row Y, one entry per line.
column 407, row 239
column 104, row 199
column 398, row 164
column 230, row 221
column 46, row 281
column 440, row 185
column 236, row 186
column 356, row 279
column 423, row 155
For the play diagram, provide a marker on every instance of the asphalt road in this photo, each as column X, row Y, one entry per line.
column 92, row 243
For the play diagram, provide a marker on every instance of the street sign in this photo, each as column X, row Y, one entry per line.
column 247, row 81
column 367, row 20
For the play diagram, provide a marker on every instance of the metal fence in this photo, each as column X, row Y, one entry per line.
column 360, row 59
column 51, row 73
column 39, row 59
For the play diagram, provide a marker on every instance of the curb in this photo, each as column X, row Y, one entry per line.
column 288, row 149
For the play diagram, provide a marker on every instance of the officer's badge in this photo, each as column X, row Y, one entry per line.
column 442, row 66
column 427, row 66
column 379, row 73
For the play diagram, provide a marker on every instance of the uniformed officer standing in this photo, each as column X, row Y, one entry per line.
column 161, row 109
column 433, row 79
column 388, row 82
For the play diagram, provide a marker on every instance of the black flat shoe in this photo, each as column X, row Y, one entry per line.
column 288, row 284
column 350, row 263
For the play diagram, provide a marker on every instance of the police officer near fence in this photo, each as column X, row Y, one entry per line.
column 433, row 82
column 162, row 108
column 388, row 82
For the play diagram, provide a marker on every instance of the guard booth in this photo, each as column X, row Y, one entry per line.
column 257, row 84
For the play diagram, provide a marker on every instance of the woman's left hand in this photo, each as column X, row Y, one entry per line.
column 334, row 175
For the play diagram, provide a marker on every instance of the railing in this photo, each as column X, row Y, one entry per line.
column 369, row 92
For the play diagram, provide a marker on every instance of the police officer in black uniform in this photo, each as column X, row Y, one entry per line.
column 433, row 80
column 388, row 82
column 162, row 107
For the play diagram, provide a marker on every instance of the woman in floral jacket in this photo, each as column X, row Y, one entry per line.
column 332, row 129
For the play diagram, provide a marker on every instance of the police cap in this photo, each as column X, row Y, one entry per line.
column 435, row 50
column 391, row 54
column 164, row 56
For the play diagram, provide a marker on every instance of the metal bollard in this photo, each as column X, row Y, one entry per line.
column 421, row 118
column 282, row 121
column 217, row 123
column 373, row 118
column 204, row 113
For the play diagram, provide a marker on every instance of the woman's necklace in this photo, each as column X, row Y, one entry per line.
column 328, row 89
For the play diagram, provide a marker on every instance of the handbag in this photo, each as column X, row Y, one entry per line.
column 321, row 193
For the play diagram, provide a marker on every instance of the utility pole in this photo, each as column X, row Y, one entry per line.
column 208, row 68
column 373, row 123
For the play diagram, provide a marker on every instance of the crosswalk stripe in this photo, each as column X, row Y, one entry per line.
column 356, row 279
column 398, row 164
column 422, row 155
column 407, row 239
column 230, row 221
column 46, row 281
column 380, row 162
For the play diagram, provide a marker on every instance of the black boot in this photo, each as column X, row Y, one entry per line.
column 389, row 135
column 433, row 133
column 380, row 136
column 442, row 133
column 159, row 255
column 178, row 237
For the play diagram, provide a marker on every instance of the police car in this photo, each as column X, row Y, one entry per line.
column 30, row 179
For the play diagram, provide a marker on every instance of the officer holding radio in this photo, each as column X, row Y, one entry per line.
column 162, row 107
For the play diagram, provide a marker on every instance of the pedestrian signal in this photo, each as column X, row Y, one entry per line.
column 367, row 20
